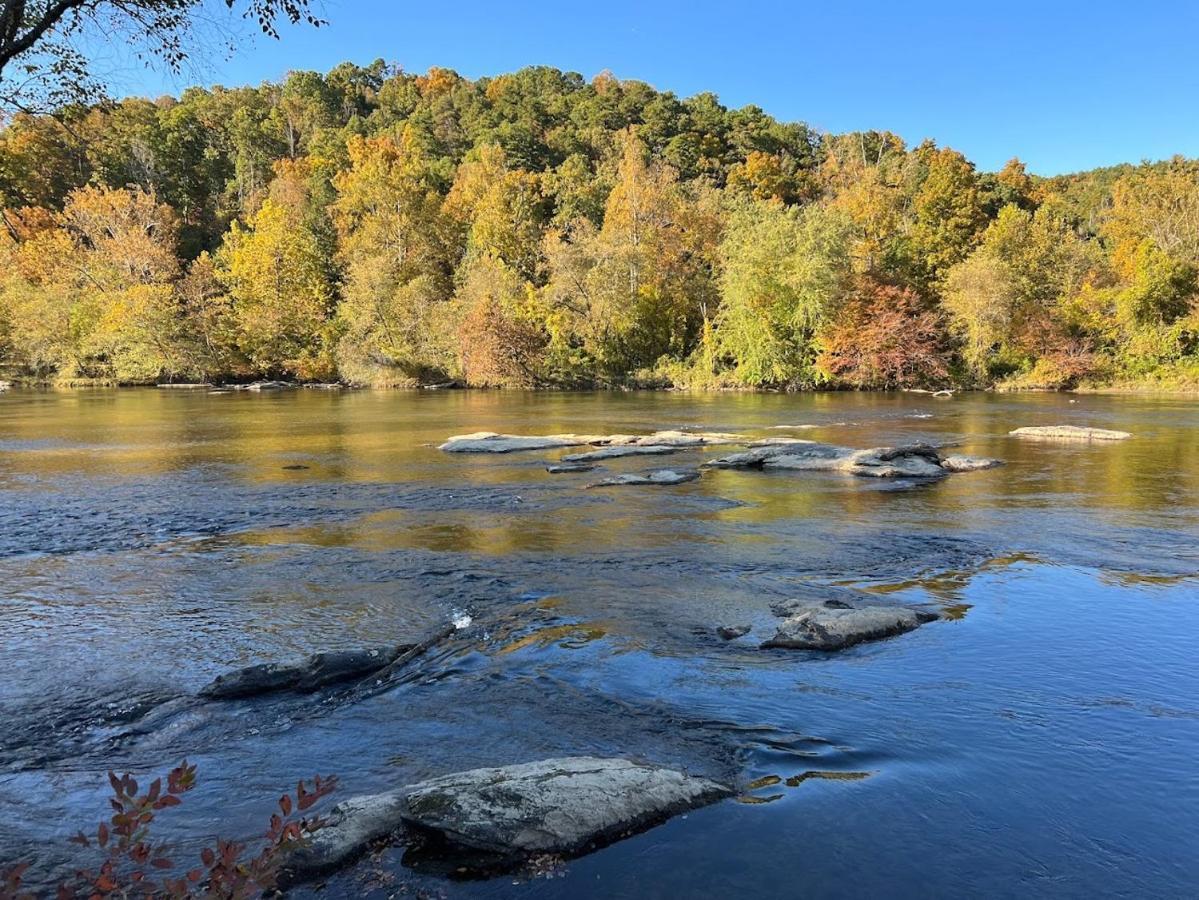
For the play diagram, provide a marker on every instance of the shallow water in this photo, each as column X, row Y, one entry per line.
column 1042, row 739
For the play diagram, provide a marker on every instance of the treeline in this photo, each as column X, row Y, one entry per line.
column 534, row 229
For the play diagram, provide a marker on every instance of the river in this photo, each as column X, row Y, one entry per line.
column 1042, row 739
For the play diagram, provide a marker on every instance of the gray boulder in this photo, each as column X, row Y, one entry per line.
column 1071, row 433
column 350, row 827
column 555, row 806
column 835, row 624
column 659, row 477
column 617, row 451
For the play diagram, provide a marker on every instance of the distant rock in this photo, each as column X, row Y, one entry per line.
column 1071, row 433
column 968, row 463
column 659, row 477
column 834, row 624
column 259, row 386
column 563, row 468
column 317, row 671
column 732, row 632
column 491, row 442
column 4, row 386
column 295, row 467
column 907, row 461
column 619, row 450
column 561, row 806
column 182, row 386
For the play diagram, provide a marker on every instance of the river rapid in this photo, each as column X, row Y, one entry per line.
column 1041, row 739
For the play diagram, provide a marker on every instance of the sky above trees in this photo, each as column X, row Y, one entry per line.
column 1066, row 86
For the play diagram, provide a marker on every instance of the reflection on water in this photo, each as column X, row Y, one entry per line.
column 1041, row 739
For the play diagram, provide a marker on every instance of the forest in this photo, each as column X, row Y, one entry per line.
column 536, row 229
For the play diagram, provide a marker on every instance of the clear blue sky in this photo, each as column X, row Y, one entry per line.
column 1064, row 85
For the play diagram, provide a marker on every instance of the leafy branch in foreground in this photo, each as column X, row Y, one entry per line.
column 132, row 864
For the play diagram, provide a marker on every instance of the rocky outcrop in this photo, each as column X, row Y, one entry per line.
column 1070, row 433
column 315, row 672
column 619, row 450
column 907, row 461
column 491, row 442
column 659, row 477
column 559, row 806
column 834, row 624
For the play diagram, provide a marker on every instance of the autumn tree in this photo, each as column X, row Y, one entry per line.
column 885, row 337
column 276, row 274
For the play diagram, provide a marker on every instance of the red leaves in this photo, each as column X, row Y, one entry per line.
column 225, row 872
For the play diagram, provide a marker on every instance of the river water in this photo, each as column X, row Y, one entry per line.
column 1042, row 739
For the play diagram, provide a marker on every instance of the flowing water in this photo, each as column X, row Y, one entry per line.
column 1042, row 739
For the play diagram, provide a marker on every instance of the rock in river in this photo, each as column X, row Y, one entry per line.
column 906, row 461
column 1071, row 433
column 619, row 450
column 317, row 671
column 732, row 632
column 490, row 442
column 836, row 624
column 563, row 468
column 659, row 477
column 563, row 806
column 554, row 806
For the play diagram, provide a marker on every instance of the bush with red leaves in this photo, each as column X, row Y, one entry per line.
column 133, row 865
column 884, row 337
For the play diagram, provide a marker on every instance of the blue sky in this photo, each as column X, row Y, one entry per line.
column 1063, row 85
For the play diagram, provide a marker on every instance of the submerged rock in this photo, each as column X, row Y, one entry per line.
column 562, row 468
column 732, row 632
column 659, row 477
column 619, row 450
column 1071, row 433
column 554, row 806
column 835, row 624
column 317, row 671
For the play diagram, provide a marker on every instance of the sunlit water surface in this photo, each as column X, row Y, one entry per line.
column 1043, row 739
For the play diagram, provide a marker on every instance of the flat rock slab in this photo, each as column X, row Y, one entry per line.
column 1071, row 433
column 491, row 442
column 315, row 672
column 836, row 624
column 617, row 451
column 660, row 477
column 555, row 806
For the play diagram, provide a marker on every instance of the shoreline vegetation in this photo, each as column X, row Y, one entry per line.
column 376, row 228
